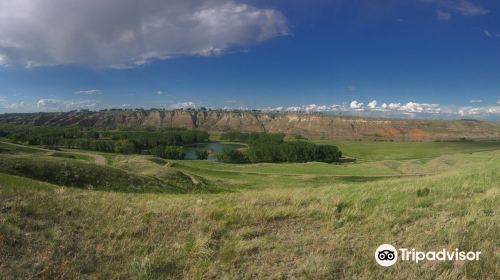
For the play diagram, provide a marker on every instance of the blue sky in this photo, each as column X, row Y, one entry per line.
column 422, row 58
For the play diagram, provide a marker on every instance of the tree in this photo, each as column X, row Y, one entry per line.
column 201, row 154
column 125, row 147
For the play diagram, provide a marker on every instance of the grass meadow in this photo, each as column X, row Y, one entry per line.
column 253, row 221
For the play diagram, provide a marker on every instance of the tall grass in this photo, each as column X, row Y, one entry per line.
column 327, row 232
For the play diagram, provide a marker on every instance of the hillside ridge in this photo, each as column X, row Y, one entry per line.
column 308, row 125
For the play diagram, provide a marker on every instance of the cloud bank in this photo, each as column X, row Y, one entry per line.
column 55, row 105
column 355, row 107
column 127, row 33
column 89, row 92
column 409, row 109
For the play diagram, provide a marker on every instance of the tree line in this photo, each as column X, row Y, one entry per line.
column 268, row 147
column 163, row 142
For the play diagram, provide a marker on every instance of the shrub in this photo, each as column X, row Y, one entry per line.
column 231, row 156
column 125, row 147
column 423, row 192
column 174, row 152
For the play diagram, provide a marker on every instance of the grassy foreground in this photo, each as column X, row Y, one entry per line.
column 322, row 228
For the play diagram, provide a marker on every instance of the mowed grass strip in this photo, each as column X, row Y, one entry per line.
column 380, row 150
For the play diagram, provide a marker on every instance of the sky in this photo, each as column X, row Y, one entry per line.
column 415, row 58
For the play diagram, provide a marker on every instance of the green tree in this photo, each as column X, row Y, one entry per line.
column 201, row 154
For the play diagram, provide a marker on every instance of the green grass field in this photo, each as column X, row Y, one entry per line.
column 252, row 221
column 372, row 150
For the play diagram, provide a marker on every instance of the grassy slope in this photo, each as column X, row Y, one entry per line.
column 9, row 148
column 328, row 230
column 70, row 172
column 371, row 150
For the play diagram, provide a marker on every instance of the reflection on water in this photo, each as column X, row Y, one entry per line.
column 212, row 148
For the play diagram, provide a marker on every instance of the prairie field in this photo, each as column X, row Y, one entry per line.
column 70, row 214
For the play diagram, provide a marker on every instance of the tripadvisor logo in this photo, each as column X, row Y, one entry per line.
column 387, row 255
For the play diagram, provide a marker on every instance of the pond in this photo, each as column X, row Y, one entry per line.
column 212, row 148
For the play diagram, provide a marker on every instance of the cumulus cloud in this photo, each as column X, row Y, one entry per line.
column 475, row 101
column 394, row 106
column 413, row 107
column 479, row 111
column 373, row 104
column 128, row 33
column 409, row 109
column 355, row 105
column 183, row 105
column 54, row 105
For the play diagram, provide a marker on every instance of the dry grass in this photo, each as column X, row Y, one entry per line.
column 327, row 232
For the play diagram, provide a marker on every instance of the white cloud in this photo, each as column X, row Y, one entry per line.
column 89, row 92
column 475, row 101
column 467, row 8
column 54, row 105
column 373, row 104
column 409, row 109
column 356, row 105
column 479, row 111
column 394, row 106
column 460, row 7
column 183, row 105
column 489, row 34
column 128, row 33
column 18, row 106
column 413, row 107
column 443, row 15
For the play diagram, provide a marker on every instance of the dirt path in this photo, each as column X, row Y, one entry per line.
column 98, row 159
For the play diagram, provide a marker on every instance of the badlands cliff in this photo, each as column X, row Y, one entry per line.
column 308, row 125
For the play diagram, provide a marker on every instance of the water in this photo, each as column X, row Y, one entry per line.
column 212, row 148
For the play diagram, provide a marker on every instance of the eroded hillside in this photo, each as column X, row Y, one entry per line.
column 309, row 125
